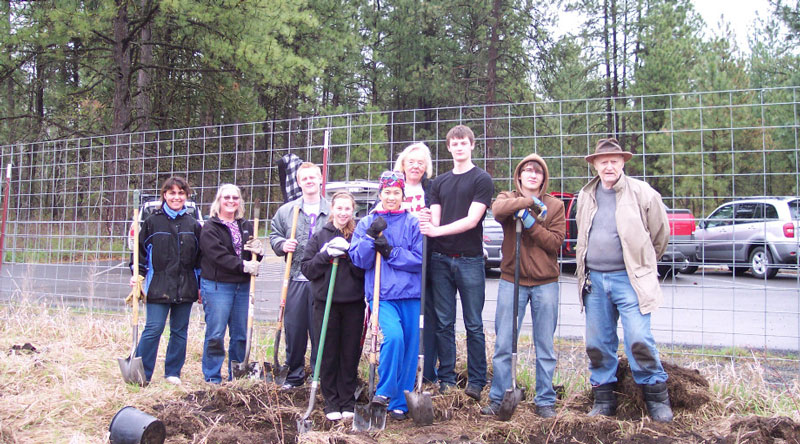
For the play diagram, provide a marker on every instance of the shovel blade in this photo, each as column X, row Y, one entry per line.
column 266, row 373
column 132, row 370
column 369, row 417
column 280, row 373
column 304, row 426
column 511, row 398
column 420, row 407
column 250, row 370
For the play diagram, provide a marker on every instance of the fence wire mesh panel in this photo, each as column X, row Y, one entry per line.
column 736, row 284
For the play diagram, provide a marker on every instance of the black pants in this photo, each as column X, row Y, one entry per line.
column 297, row 319
column 340, row 354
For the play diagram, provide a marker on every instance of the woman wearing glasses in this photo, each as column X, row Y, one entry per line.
column 393, row 233
column 168, row 268
column 231, row 253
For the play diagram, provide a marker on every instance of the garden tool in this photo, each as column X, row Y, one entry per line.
column 372, row 416
column 244, row 368
column 513, row 396
column 275, row 372
column 131, row 367
column 420, row 405
column 304, row 424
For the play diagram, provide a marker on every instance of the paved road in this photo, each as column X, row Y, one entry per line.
column 711, row 307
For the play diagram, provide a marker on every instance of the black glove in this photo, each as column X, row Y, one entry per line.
column 382, row 246
column 378, row 225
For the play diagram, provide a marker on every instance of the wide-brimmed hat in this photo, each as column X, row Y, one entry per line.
column 608, row 146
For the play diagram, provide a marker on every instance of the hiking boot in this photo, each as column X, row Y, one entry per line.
column 474, row 392
column 491, row 409
column 656, row 398
column 605, row 400
column 380, row 400
column 546, row 411
column 445, row 387
column 398, row 415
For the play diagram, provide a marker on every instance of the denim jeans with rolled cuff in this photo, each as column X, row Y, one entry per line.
column 225, row 305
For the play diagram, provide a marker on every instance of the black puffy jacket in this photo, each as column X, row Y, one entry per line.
column 169, row 258
column 317, row 266
column 220, row 263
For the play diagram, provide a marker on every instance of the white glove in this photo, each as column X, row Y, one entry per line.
column 339, row 243
column 255, row 246
column 251, row 267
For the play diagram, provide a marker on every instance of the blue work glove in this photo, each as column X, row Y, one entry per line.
column 526, row 217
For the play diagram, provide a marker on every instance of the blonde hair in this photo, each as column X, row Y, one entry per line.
column 305, row 165
column 214, row 211
column 347, row 230
column 414, row 147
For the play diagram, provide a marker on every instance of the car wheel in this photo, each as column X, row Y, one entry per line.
column 761, row 264
column 690, row 269
column 665, row 271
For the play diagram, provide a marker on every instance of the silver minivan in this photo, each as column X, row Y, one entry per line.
column 758, row 234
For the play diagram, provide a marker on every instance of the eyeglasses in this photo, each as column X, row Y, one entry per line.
column 415, row 163
column 230, row 197
column 532, row 170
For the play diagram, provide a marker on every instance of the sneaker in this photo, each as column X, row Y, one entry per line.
column 347, row 414
column 546, row 411
column 288, row 386
column 491, row 409
column 398, row 415
column 474, row 392
column 173, row 380
column 380, row 400
column 333, row 416
column 445, row 387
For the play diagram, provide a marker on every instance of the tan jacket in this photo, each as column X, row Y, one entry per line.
column 643, row 230
column 541, row 243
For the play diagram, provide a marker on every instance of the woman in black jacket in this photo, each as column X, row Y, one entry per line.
column 339, row 366
column 229, row 246
column 170, row 259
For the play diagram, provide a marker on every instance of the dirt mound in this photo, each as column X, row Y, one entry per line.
column 757, row 429
column 688, row 390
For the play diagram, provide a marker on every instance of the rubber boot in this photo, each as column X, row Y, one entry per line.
column 605, row 400
column 656, row 398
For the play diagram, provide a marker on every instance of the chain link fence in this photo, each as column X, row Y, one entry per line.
column 72, row 199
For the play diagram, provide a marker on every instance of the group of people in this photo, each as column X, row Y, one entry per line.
column 622, row 231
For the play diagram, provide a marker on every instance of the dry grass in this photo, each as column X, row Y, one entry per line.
column 70, row 388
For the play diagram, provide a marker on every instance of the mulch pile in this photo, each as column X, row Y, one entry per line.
column 247, row 413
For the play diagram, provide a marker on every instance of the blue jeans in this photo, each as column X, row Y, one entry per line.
column 543, row 300
column 225, row 305
column 468, row 276
column 176, row 348
column 613, row 297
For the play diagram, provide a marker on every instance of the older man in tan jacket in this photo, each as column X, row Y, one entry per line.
column 622, row 231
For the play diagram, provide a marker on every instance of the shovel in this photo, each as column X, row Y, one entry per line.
column 244, row 368
column 275, row 372
column 371, row 416
column 304, row 424
column 420, row 405
column 513, row 396
column 131, row 367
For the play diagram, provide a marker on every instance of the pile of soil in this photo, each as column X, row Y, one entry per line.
column 246, row 413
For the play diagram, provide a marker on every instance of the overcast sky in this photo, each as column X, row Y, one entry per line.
column 739, row 13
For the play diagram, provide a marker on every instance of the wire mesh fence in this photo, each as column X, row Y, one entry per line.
column 72, row 200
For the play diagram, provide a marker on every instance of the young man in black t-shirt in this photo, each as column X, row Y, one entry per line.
column 459, row 199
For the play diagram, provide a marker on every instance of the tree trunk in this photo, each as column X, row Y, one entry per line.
column 607, row 57
column 144, row 107
column 614, row 61
column 491, row 84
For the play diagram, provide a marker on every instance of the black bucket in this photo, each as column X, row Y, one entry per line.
column 132, row 426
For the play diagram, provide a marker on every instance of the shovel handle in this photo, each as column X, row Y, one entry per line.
column 137, row 287
column 376, row 296
column 288, row 269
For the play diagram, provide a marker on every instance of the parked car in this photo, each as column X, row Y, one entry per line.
column 675, row 259
column 150, row 202
column 758, row 234
column 365, row 193
column 492, row 241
